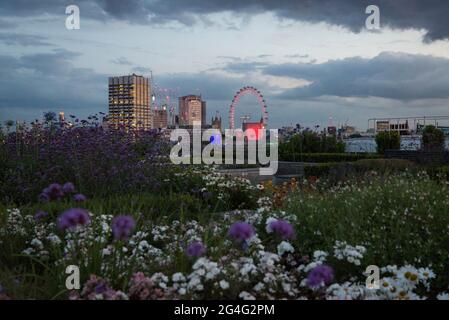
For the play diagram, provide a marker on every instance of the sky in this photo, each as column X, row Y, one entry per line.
column 314, row 61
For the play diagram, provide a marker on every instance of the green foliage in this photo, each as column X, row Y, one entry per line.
column 327, row 157
column 100, row 163
column 311, row 142
column 383, row 214
column 432, row 139
column 153, row 207
column 49, row 116
column 318, row 170
column 388, row 140
column 401, row 219
column 340, row 169
column 439, row 172
column 9, row 124
column 383, row 165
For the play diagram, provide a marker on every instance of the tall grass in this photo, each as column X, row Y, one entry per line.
column 400, row 219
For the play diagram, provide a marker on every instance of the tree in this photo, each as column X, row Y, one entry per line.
column 9, row 124
column 388, row 140
column 49, row 117
column 308, row 141
column 432, row 139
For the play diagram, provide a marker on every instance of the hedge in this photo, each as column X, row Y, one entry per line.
column 327, row 157
column 358, row 167
column 318, row 170
column 442, row 171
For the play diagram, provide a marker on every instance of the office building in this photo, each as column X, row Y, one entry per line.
column 160, row 118
column 192, row 109
column 129, row 102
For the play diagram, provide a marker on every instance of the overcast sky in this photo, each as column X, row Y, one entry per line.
column 314, row 61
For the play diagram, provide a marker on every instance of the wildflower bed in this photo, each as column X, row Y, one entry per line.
column 304, row 241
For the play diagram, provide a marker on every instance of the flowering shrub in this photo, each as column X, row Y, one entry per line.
column 241, row 231
column 218, row 190
column 401, row 219
column 279, row 193
column 100, row 162
column 153, row 231
column 57, row 192
column 195, row 249
column 97, row 288
column 320, row 276
column 167, row 259
column 122, row 227
column 72, row 218
column 281, row 228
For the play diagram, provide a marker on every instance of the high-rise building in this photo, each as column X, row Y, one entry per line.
column 129, row 102
column 160, row 118
column 192, row 109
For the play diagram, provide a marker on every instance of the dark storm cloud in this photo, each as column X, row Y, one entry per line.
column 40, row 82
column 4, row 24
column 430, row 15
column 390, row 75
column 27, row 8
column 48, row 81
column 57, row 63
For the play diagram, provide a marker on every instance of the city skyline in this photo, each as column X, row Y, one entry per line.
column 311, row 62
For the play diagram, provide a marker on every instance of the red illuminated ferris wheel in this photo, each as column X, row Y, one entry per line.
column 243, row 91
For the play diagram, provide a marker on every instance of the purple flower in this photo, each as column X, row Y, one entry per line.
column 53, row 192
column 40, row 215
column 79, row 197
column 43, row 197
column 72, row 218
column 241, row 231
column 282, row 228
column 97, row 286
column 68, row 187
column 143, row 288
column 123, row 227
column 320, row 275
column 195, row 249
column 100, row 288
